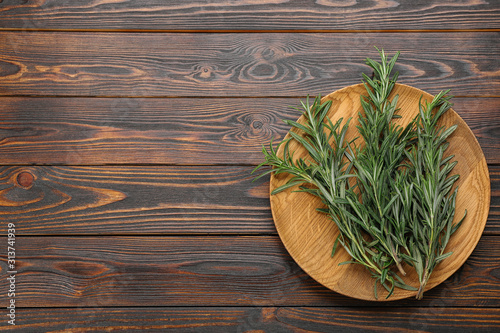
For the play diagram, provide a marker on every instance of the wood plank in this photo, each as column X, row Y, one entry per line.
column 127, row 200
column 249, row 15
column 173, row 130
column 135, row 200
column 206, row 271
column 246, row 64
column 493, row 223
column 258, row 319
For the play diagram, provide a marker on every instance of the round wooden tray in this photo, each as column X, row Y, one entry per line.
column 309, row 235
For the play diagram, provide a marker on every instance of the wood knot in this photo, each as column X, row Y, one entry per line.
column 206, row 72
column 257, row 124
column 25, row 179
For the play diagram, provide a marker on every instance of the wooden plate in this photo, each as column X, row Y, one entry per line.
column 309, row 235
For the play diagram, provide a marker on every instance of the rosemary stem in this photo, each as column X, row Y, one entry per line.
column 425, row 279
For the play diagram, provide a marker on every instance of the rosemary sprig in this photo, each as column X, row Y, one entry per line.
column 431, row 225
column 377, row 162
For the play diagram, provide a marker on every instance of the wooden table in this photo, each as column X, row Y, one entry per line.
column 128, row 133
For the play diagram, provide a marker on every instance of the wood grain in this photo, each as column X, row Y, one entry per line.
column 246, row 64
column 135, row 200
column 305, row 231
column 258, row 319
column 495, row 199
column 172, row 130
column 127, row 200
column 206, row 271
column 249, row 15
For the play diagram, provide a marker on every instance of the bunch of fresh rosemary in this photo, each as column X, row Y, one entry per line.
column 401, row 193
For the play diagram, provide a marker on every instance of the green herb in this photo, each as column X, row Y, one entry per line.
column 431, row 225
column 400, row 193
column 377, row 162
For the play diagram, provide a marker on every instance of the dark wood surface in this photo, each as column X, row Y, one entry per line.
column 128, row 131
column 148, row 200
column 210, row 270
column 239, row 64
column 181, row 131
column 262, row 15
column 259, row 319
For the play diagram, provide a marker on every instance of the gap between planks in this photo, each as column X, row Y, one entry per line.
column 200, row 97
column 254, row 31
